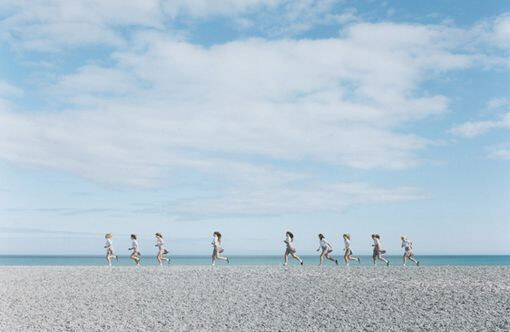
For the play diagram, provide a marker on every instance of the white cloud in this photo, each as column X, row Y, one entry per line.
column 54, row 24
column 499, row 152
column 8, row 90
column 501, row 31
column 471, row 129
column 205, row 8
column 274, row 99
column 498, row 103
column 234, row 110
column 50, row 25
column 274, row 200
column 475, row 128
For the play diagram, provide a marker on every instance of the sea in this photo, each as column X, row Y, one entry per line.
column 430, row 260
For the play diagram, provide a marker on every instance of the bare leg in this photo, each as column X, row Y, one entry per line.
column 414, row 260
column 381, row 258
column 285, row 258
column 328, row 256
column 213, row 258
column 348, row 258
column 293, row 254
column 221, row 257
column 134, row 256
column 321, row 258
column 109, row 256
column 112, row 255
column 161, row 258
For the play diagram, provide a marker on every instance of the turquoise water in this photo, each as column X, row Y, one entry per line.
column 248, row 260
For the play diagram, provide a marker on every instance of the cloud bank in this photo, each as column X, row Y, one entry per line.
column 244, row 111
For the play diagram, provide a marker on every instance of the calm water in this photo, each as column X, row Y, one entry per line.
column 246, row 260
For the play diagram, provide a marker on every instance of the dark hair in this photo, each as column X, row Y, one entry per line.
column 218, row 234
column 291, row 235
column 159, row 235
column 133, row 236
column 321, row 236
column 376, row 236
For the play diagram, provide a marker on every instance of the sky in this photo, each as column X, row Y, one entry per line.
column 253, row 118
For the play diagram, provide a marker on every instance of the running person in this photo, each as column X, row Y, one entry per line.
column 408, row 251
column 160, row 243
column 326, row 248
column 378, row 251
column 109, row 249
column 290, row 250
column 217, row 248
column 347, row 250
column 135, row 255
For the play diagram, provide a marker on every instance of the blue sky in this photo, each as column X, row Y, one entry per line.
column 254, row 118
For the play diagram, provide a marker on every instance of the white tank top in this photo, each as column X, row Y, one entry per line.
column 159, row 242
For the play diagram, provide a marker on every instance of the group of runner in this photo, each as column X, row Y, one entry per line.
column 324, row 247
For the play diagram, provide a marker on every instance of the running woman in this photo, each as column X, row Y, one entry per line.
column 135, row 255
column 378, row 251
column 161, row 250
column 408, row 251
column 217, row 249
column 109, row 249
column 347, row 250
column 290, row 250
column 326, row 248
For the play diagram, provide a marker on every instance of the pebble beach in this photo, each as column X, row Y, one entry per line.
column 255, row 298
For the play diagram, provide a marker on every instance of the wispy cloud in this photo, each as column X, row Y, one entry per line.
column 28, row 230
column 9, row 90
column 257, row 197
column 50, row 25
column 475, row 128
column 498, row 108
column 500, row 151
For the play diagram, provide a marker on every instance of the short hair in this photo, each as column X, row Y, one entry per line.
column 133, row 236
